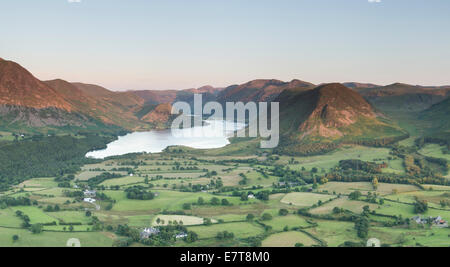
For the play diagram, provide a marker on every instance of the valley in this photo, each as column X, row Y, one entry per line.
column 246, row 200
column 355, row 161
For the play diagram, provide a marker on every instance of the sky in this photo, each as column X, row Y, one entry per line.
column 178, row 44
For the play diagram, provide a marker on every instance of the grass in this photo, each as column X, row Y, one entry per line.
column 36, row 215
column 187, row 220
column 304, row 199
column 364, row 187
column 70, row 216
column 345, row 203
column 123, row 181
column 288, row 239
column 331, row 160
column 167, row 200
column 8, row 218
column 53, row 239
column 432, row 197
column 40, row 183
column 239, row 229
column 334, row 233
column 278, row 223
column 435, row 151
column 435, row 237
column 407, row 211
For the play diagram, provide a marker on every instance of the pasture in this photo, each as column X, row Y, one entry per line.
column 304, row 199
column 288, row 239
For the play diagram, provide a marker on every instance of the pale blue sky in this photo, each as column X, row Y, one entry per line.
column 175, row 44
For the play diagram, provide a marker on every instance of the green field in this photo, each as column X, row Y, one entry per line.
column 176, row 188
column 240, row 230
column 186, row 220
column 345, row 203
column 278, row 223
column 53, row 239
column 304, row 199
column 435, row 151
column 288, row 239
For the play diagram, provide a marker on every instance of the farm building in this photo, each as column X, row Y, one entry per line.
column 147, row 232
column 181, row 235
column 437, row 221
column 90, row 193
column 89, row 200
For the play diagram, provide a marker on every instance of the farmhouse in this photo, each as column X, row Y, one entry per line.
column 437, row 221
column 147, row 232
column 251, row 196
column 181, row 235
column 90, row 193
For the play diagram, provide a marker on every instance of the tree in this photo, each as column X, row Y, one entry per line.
column 225, row 202
column 191, row 237
column 250, row 217
column 362, row 226
column 337, row 210
column 266, row 217
column 299, row 245
column 421, row 206
column 186, row 206
column 283, row 212
column 71, row 228
column 355, row 195
column 15, row 238
column 366, row 208
column 200, row 201
column 88, row 213
column 375, row 183
column 36, row 228
column 215, row 201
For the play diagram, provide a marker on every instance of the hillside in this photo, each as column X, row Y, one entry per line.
column 18, row 87
column 401, row 97
column 159, row 116
column 438, row 120
column 359, row 86
column 30, row 105
column 260, row 90
column 114, row 108
column 331, row 114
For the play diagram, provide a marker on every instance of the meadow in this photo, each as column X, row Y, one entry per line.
column 178, row 190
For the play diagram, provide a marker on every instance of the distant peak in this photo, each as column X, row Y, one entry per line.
column 334, row 86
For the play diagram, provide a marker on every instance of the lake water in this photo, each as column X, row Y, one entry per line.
column 214, row 134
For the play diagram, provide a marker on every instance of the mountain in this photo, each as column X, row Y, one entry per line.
column 260, row 90
column 359, row 86
column 160, row 115
column 399, row 97
column 170, row 96
column 114, row 108
column 26, row 104
column 126, row 100
column 439, row 121
column 323, row 118
column 18, row 87
column 157, row 97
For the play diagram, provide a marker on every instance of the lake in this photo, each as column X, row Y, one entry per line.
column 213, row 134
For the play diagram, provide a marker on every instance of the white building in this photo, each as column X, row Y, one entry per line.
column 89, row 200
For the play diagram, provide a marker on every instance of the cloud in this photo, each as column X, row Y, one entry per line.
column 74, row 1
column 374, row 1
